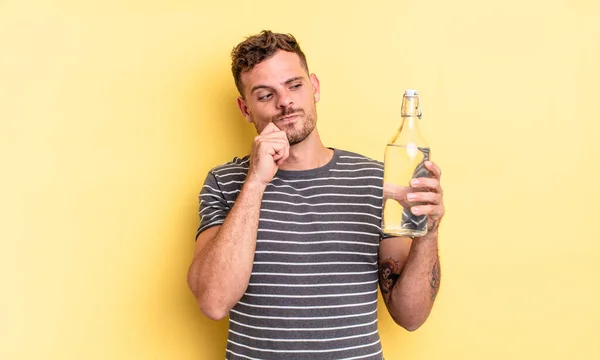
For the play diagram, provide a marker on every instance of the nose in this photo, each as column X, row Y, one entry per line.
column 285, row 101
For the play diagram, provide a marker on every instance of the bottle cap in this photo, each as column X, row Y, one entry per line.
column 411, row 92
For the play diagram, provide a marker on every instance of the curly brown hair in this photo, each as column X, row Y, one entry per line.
column 257, row 48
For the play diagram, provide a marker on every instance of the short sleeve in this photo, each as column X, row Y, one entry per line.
column 213, row 207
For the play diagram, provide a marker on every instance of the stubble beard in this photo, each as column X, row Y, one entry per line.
column 294, row 136
column 297, row 136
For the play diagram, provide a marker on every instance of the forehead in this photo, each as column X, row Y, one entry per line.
column 275, row 70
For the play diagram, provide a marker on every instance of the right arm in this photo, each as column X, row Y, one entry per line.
column 223, row 255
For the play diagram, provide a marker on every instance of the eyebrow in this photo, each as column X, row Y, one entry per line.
column 257, row 87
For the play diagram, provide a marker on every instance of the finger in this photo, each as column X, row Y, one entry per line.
column 262, row 141
column 275, row 135
column 281, row 134
column 265, row 140
column 434, row 211
column 435, row 170
column 285, row 153
column 274, row 147
column 396, row 192
column 427, row 183
column 389, row 187
column 263, row 147
column 269, row 129
column 424, row 197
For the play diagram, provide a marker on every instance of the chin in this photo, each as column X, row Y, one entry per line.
column 298, row 139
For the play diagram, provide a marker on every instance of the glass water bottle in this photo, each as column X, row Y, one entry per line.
column 404, row 160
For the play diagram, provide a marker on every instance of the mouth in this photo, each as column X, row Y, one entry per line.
column 288, row 118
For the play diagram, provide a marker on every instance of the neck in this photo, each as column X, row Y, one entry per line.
column 308, row 154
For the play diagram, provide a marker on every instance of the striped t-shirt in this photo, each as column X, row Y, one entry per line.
column 313, row 289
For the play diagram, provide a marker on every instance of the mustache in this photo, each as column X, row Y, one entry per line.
column 287, row 112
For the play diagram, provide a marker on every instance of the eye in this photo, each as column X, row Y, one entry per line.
column 265, row 97
column 296, row 86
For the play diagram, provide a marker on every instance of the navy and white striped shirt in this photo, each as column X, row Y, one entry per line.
column 314, row 283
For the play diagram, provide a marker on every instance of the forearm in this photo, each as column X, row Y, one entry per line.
column 220, row 273
column 412, row 297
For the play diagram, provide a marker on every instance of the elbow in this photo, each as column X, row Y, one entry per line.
column 212, row 307
column 213, row 311
column 411, row 326
column 410, row 315
column 208, row 306
column 409, row 323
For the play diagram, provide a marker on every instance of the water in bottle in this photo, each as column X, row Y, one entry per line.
column 404, row 160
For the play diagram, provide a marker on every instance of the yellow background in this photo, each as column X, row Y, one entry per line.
column 112, row 112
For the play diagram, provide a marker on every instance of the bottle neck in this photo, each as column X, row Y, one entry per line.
column 411, row 106
column 409, row 132
column 411, row 113
column 410, row 124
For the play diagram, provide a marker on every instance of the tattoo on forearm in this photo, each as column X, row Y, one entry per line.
column 389, row 273
column 435, row 280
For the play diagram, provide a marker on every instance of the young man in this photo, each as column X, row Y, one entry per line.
column 289, row 243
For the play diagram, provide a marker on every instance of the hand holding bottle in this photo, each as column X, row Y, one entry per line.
column 423, row 197
column 427, row 197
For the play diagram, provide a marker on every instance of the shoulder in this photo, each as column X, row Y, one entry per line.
column 236, row 165
column 350, row 157
column 230, row 173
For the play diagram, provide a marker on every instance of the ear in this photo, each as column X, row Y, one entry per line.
column 244, row 108
column 316, row 87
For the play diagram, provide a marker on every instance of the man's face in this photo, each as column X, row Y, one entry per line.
column 279, row 90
